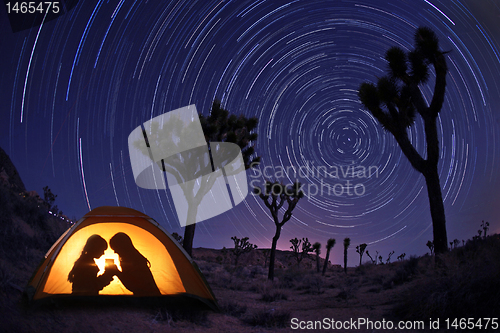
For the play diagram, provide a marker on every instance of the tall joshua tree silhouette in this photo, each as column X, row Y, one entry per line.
column 274, row 196
column 347, row 242
column 219, row 126
column 329, row 245
column 317, row 250
column 393, row 102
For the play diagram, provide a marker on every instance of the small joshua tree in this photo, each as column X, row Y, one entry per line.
column 347, row 242
column 317, row 249
column 485, row 226
column 361, row 249
column 297, row 252
column 389, row 257
column 241, row 246
column 329, row 245
column 274, row 196
column 430, row 245
column 402, row 256
column 374, row 261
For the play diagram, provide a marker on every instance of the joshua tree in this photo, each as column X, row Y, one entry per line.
column 329, row 245
column 347, row 242
column 485, row 226
column 219, row 126
column 374, row 261
column 317, row 249
column 430, row 245
column 274, row 196
column 361, row 249
column 402, row 256
column 241, row 246
column 394, row 102
column 389, row 257
column 297, row 253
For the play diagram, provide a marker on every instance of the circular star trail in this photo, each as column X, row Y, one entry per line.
column 74, row 88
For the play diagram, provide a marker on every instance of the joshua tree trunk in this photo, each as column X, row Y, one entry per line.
column 270, row 276
column 189, row 229
column 437, row 211
column 188, row 238
column 326, row 260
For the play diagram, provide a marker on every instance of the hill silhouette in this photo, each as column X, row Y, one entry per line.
column 8, row 173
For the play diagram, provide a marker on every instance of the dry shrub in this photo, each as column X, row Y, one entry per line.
column 170, row 316
column 464, row 285
column 233, row 309
column 312, row 283
column 269, row 318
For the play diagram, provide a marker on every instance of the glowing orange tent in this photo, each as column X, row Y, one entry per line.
column 117, row 252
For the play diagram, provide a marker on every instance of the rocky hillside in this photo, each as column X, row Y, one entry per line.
column 27, row 229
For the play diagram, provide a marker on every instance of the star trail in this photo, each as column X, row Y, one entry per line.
column 73, row 89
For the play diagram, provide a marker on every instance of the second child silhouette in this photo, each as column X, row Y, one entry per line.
column 135, row 275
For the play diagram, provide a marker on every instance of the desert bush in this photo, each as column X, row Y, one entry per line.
column 257, row 271
column 269, row 318
column 271, row 295
column 465, row 285
column 269, row 290
column 233, row 309
column 235, row 283
column 5, row 278
column 312, row 283
column 348, row 289
column 169, row 316
column 290, row 278
column 405, row 271
column 374, row 290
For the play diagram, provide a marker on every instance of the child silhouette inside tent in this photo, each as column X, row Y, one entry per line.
column 83, row 276
column 135, row 275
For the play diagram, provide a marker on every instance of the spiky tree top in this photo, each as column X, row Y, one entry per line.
column 347, row 242
column 275, row 195
column 396, row 98
column 317, row 248
column 330, row 243
column 220, row 126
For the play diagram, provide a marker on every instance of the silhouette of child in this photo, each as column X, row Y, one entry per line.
column 83, row 276
column 135, row 274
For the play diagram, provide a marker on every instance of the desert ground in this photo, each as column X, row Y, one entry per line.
column 414, row 289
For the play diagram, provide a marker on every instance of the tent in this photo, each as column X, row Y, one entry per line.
column 118, row 253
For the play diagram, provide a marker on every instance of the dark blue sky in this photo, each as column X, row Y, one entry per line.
column 73, row 89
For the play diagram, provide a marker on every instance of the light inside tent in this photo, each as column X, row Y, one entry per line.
column 162, row 267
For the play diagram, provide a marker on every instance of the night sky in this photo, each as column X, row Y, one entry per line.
column 74, row 88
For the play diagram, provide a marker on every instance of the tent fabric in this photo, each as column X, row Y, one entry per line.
column 149, row 263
